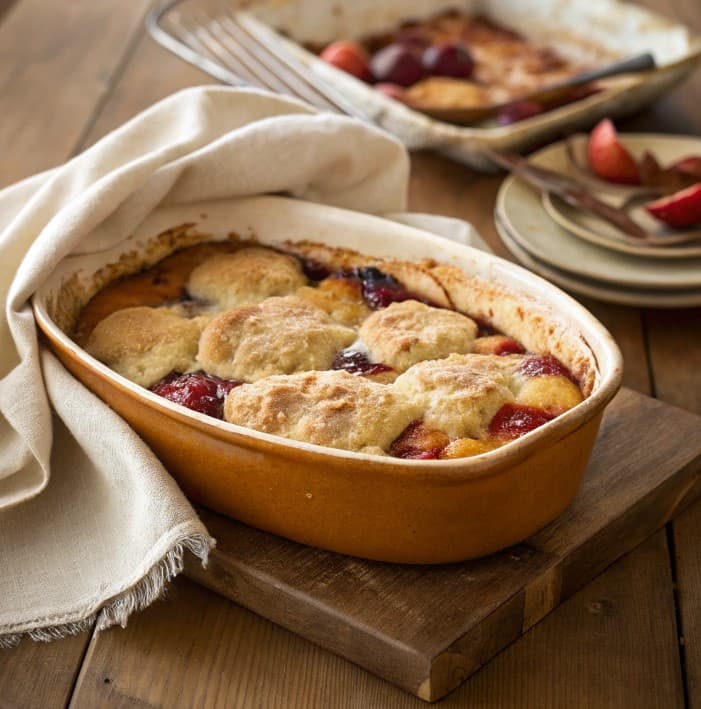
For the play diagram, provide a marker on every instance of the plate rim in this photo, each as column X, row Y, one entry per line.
column 502, row 210
column 566, row 281
column 549, row 202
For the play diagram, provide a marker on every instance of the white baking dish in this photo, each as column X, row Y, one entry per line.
column 598, row 31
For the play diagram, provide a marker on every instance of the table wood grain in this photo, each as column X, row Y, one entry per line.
column 71, row 72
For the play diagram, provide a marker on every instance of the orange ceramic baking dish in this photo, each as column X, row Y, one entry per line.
column 383, row 508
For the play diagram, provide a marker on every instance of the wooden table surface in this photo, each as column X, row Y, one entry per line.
column 70, row 72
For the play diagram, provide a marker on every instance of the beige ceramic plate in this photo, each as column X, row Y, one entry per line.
column 592, row 228
column 520, row 209
column 638, row 298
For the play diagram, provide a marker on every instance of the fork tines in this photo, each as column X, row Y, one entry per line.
column 234, row 41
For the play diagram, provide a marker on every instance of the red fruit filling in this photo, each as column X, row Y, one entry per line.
column 544, row 365
column 379, row 289
column 197, row 391
column 419, row 442
column 514, row 420
column 509, row 346
column 680, row 210
column 609, row 158
column 357, row 362
column 314, row 270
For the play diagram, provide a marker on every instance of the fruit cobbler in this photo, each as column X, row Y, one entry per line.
column 454, row 60
column 360, row 354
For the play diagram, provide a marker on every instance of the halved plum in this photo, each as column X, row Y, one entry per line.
column 679, row 210
column 348, row 56
column 609, row 158
column 196, row 390
column 515, row 420
column 544, row 366
column 419, row 442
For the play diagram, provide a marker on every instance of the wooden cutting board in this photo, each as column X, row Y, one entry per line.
column 428, row 628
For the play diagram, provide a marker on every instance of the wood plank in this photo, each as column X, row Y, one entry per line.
column 86, row 43
column 151, row 74
column 687, row 554
column 197, row 649
column 426, row 629
column 621, row 646
column 5, row 5
column 56, row 63
column 675, row 355
column 674, row 338
column 37, row 674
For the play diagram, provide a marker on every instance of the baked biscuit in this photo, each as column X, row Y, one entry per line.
column 248, row 275
column 341, row 298
column 328, row 408
column 460, row 394
column 408, row 332
column 144, row 344
column 277, row 336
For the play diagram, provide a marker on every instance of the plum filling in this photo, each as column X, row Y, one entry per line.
column 514, row 420
column 357, row 362
column 545, row 365
column 419, row 442
column 379, row 289
column 314, row 270
column 509, row 346
column 197, row 391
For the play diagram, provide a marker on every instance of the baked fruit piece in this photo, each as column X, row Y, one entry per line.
column 329, row 408
column 277, row 336
column 482, row 401
column 248, row 275
column 144, row 344
column 408, row 332
column 460, row 394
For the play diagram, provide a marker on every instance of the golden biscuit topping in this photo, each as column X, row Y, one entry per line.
column 248, row 275
column 405, row 333
column 367, row 358
column 144, row 344
column 333, row 409
column 277, row 336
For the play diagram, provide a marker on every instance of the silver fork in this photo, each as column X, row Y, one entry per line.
column 232, row 41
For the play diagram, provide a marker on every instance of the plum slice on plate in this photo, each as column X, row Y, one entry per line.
column 680, row 210
column 609, row 158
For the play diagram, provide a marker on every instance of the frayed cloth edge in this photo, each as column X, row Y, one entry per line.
column 136, row 598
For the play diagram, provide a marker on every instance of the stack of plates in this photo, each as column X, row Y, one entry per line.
column 584, row 254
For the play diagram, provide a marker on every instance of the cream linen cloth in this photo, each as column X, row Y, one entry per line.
column 91, row 525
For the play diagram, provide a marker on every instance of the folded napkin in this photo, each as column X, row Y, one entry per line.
column 91, row 525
